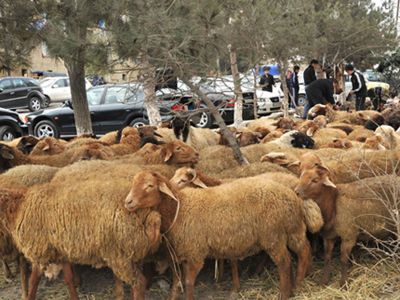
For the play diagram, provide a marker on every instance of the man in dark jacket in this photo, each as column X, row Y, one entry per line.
column 267, row 80
column 359, row 87
column 309, row 77
column 294, row 85
column 321, row 91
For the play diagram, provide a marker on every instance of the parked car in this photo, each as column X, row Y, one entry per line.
column 57, row 89
column 111, row 107
column 11, row 125
column 21, row 92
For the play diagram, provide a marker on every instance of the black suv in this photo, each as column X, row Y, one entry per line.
column 21, row 92
column 10, row 125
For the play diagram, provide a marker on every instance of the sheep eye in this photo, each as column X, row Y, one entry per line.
column 315, row 180
column 150, row 186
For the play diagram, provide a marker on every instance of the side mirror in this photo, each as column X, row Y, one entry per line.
column 1, row 90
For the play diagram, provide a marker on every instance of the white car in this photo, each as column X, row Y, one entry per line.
column 57, row 89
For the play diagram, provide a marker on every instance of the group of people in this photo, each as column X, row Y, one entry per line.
column 318, row 91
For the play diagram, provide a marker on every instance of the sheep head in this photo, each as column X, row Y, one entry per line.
column 317, row 110
column 375, row 142
column 27, row 143
column 177, row 152
column 246, row 138
column 48, row 146
column 339, row 144
column 285, row 123
column 7, row 158
column 146, row 191
column 130, row 136
column 185, row 176
column 313, row 182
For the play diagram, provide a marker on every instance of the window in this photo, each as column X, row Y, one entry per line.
column 115, row 95
column 94, row 96
column 135, row 95
column 19, row 83
column 60, row 83
column 6, row 84
column 31, row 82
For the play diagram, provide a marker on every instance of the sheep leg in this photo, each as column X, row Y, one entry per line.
column 281, row 258
column 69, row 281
column 345, row 250
column 302, row 248
column 34, row 280
column 119, row 289
column 23, row 270
column 174, row 287
column 220, row 274
column 328, row 249
column 191, row 272
column 7, row 272
column 139, row 288
column 235, row 275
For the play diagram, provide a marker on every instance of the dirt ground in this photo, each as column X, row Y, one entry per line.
column 368, row 280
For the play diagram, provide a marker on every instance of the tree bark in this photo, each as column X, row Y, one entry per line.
column 76, row 72
column 227, row 134
column 283, row 64
column 255, row 98
column 238, row 112
column 149, row 85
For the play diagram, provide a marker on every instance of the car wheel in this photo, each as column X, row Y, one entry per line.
column 35, row 103
column 202, row 120
column 302, row 100
column 46, row 128
column 46, row 102
column 138, row 122
column 7, row 133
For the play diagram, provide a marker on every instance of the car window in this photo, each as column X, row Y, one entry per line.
column 135, row 95
column 60, row 83
column 30, row 82
column 6, row 84
column 115, row 95
column 94, row 96
column 19, row 83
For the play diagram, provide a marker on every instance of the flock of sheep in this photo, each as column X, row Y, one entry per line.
column 141, row 196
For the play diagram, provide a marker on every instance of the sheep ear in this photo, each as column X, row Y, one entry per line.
column 6, row 154
column 322, row 170
column 310, row 131
column 168, row 154
column 157, row 134
column 163, row 187
column 381, row 147
column 294, row 164
column 199, row 183
column 47, row 147
column 326, row 181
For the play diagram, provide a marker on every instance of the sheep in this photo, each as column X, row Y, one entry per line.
column 148, row 134
column 389, row 136
column 375, row 142
column 111, row 137
column 285, row 123
column 27, row 176
column 213, row 223
column 393, row 119
column 185, row 176
column 348, row 210
column 45, row 226
column 10, row 157
column 267, row 123
column 243, row 136
column 326, row 135
column 296, row 139
column 49, row 146
column 273, row 135
column 176, row 152
column 25, row 143
column 338, row 143
column 309, row 127
column 360, row 134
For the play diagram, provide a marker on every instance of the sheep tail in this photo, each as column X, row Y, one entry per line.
column 313, row 216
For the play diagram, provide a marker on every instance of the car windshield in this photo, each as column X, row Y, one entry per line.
column 373, row 76
column 94, row 95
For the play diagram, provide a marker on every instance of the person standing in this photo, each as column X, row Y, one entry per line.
column 309, row 77
column 267, row 80
column 321, row 91
column 359, row 88
column 294, row 84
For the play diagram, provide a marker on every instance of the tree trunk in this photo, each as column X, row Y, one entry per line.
column 76, row 73
column 228, row 135
column 238, row 113
column 284, row 66
column 149, row 85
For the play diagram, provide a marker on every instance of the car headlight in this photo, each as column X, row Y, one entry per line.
column 24, row 118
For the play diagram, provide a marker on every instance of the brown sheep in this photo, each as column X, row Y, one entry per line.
column 360, row 135
column 10, row 157
column 348, row 210
column 24, row 144
column 211, row 234
column 273, row 135
column 285, row 124
column 186, row 176
column 91, row 240
column 390, row 137
column 339, row 144
column 327, row 135
column 375, row 142
column 49, row 146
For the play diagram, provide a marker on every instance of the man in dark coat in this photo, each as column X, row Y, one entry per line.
column 294, row 85
column 309, row 77
column 321, row 91
column 267, row 80
column 359, row 88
